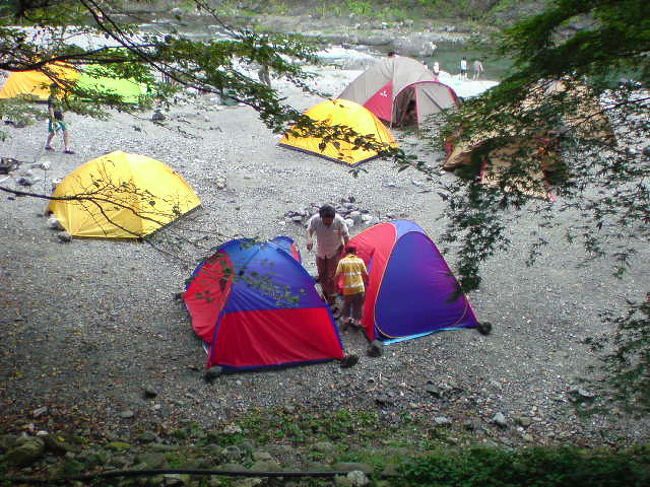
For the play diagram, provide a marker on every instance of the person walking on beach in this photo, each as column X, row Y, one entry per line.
column 264, row 76
column 436, row 70
column 355, row 277
column 478, row 69
column 463, row 68
column 55, row 121
column 331, row 236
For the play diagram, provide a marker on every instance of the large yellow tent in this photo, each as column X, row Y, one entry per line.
column 35, row 85
column 121, row 195
column 344, row 113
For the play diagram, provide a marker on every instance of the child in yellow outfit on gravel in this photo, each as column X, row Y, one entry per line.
column 355, row 275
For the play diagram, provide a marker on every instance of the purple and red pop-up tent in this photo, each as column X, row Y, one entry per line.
column 256, row 306
column 411, row 291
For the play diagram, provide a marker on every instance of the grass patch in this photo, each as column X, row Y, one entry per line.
column 539, row 467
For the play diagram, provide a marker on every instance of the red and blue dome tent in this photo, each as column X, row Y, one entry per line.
column 255, row 306
column 411, row 292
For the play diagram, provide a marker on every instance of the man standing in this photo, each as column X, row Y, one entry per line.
column 331, row 235
column 355, row 277
column 436, row 70
column 463, row 68
column 264, row 76
column 478, row 69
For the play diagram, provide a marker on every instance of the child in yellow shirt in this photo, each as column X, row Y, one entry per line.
column 355, row 275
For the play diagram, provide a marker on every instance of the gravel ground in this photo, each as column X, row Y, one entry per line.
column 88, row 325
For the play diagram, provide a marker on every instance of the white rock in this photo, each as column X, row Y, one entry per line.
column 54, row 224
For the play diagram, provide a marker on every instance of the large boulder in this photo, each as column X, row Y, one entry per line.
column 25, row 451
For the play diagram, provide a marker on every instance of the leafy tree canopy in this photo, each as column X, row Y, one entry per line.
column 569, row 124
column 39, row 34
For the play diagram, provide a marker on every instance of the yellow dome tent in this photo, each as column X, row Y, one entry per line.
column 121, row 195
column 340, row 113
column 35, row 85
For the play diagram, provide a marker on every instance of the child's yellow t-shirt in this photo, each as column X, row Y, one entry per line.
column 353, row 269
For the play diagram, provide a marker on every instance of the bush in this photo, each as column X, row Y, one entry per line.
column 535, row 467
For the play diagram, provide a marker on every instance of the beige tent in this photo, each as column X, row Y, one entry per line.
column 538, row 149
column 400, row 91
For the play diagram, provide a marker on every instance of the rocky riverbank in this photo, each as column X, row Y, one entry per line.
column 101, row 369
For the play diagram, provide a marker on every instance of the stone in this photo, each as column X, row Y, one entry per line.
column 250, row 482
column 262, row 455
column 586, row 394
column 54, row 224
column 523, row 421
column 28, row 181
column 126, row 414
column 212, row 373
column 54, row 445
column 349, row 361
column 351, row 467
column 157, row 116
column 39, row 411
column 232, row 452
column 434, row 390
column 147, row 437
column 442, row 421
column 175, row 480
column 375, row 349
column 151, row 459
column 64, row 237
column 500, row 420
column 54, row 183
column 119, row 446
column 356, row 478
column 265, row 466
column 7, row 441
column 231, row 429
column 26, row 450
column 356, row 217
column 220, row 182
column 383, row 400
column 149, row 392
column 324, row 446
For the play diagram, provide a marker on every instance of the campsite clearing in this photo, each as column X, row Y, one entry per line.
column 91, row 325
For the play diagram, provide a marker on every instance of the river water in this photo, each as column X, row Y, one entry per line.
column 448, row 54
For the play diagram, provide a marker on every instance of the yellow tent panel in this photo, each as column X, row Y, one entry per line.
column 36, row 84
column 344, row 113
column 121, row 195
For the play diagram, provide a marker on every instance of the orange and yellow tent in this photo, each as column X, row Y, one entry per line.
column 35, row 84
